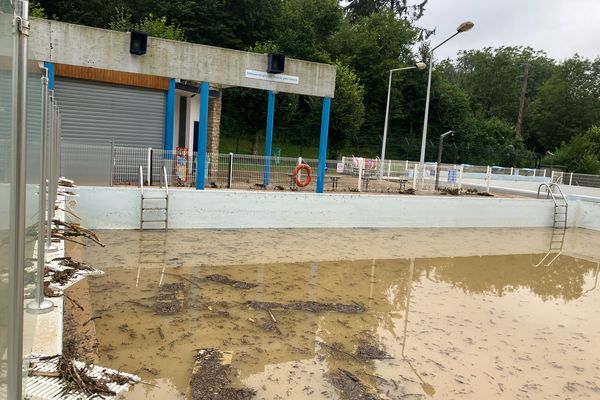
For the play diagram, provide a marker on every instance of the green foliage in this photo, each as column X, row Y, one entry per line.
column 582, row 153
column 153, row 26
column 567, row 103
column 492, row 77
column 36, row 10
column 158, row 27
column 347, row 110
column 85, row 12
column 371, row 47
column 308, row 26
column 477, row 95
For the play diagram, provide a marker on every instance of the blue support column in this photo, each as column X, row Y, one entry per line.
column 50, row 67
column 269, row 137
column 170, row 117
column 202, row 134
column 323, row 144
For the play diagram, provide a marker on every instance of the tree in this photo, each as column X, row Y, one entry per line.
column 491, row 78
column 361, row 8
column 153, row 26
column 307, row 27
column 371, row 47
column 85, row 12
column 567, row 103
column 582, row 153
column 347, row 110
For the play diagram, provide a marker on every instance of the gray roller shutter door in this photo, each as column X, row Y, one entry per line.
column 94, row 113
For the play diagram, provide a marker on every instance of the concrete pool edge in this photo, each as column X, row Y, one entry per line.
column 119, row 208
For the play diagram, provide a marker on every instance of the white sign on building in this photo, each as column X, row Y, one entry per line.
column 265, row 76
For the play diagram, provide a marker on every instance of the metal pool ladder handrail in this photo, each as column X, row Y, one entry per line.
column 141, row 181
column 550, row 192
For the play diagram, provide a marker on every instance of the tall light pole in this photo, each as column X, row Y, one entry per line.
column 419, row 65
column 465, row 26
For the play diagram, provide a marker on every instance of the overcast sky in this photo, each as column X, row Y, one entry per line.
column 559, row 27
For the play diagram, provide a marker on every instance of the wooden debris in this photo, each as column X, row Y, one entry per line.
column 310, row 306
column 210, row 377
column 227, row 281
column 170, row 298
column 70, row 229
column 350, row 387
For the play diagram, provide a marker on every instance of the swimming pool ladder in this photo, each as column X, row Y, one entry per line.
column 559, row 225
column 149, row 204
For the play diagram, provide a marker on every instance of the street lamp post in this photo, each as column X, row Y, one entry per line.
column 419, row 65
column 465, row 26
column 439, row 163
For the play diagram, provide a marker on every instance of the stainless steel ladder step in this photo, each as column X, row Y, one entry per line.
column 148, row 204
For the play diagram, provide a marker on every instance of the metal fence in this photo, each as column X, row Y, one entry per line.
column 107, row 164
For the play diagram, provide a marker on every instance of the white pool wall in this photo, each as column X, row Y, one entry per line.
column 119, row 208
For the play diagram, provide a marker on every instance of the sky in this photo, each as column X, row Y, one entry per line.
column 559, row 27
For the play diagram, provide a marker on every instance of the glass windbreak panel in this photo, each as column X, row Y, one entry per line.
column 6, row 54
column 34, row 118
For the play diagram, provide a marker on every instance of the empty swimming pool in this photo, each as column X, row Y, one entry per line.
column 454, row 314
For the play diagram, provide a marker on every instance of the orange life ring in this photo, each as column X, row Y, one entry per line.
column 306, row 181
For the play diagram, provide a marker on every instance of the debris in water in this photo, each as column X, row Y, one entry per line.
column 227, row 281
column 170, row 298
column 369, row 351
column 310, row 306
column 350, row 387
column 210, row 377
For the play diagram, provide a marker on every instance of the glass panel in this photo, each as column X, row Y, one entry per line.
column 34, row 119
column 6, row 55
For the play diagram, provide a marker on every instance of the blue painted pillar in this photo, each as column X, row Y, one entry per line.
column 269, row 137
column 202, row 134
column 170, row 117
column 323, row 144
column 50, row 67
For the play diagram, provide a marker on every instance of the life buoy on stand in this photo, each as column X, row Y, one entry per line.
column 308, row 178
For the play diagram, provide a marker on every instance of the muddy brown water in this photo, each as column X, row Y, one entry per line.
column 460, row 314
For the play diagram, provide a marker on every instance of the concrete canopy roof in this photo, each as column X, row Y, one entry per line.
column 78, row 45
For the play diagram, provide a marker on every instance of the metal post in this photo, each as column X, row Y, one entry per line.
column 460, row 177
column 386, row 122
column 571, row 179
column 389, row 168
column 148, row 165
column 361, row 166
column 512, row 170
column 18, row 199
column 202, row 134
column 439, row 161
column 40, row 305
column 112, row 161
column 426, row 119
column 488, row 178
column 269, row 137
column 50, row 172
column 230, row 173
column 323, row 144
column 170, row 118
column 415, row 172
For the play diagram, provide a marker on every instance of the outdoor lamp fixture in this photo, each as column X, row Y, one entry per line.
column 419, row 65
column 465, row 26
column 439, row 163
